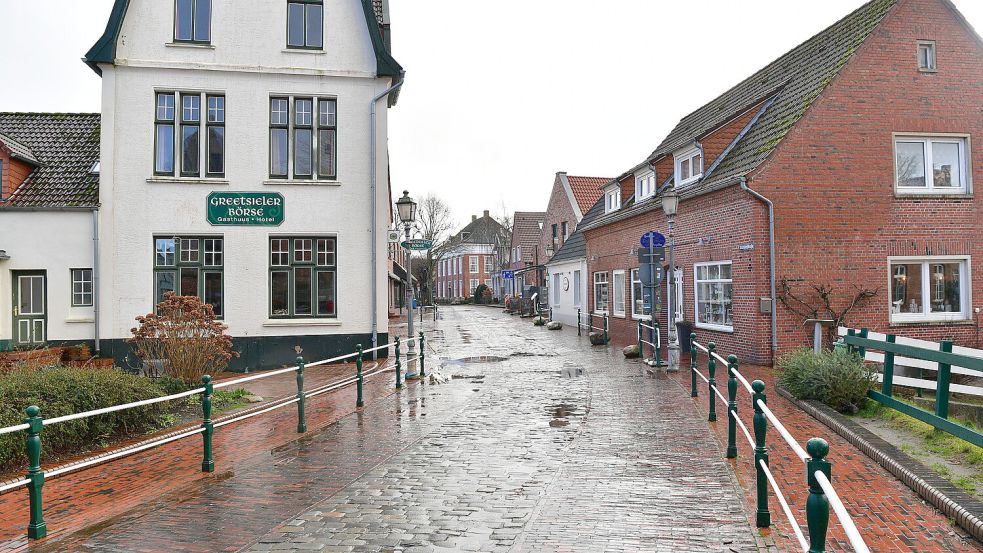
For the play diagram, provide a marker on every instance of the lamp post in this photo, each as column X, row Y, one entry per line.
column 670, row 203
column 406, row 208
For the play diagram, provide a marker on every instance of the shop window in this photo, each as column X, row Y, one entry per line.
column 714, row 294
column 638, row 294
column 619, row 294
column 931, row 165
column 600, row 293
column 81, row 287
column 303, row 272
column 933, row 289
column 190, row 266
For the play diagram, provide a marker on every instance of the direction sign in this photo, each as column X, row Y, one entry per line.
column 508, row 275
column 417, row 244
column 653, row 240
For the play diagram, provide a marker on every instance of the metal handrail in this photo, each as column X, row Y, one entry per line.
column 785, row 434
column 782, row 501
column 856, row 540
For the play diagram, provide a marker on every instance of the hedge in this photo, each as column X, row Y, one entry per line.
column 63, row 391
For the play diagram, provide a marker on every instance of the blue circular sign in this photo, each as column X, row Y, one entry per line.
column 653, row 240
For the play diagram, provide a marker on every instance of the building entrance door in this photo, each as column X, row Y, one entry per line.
column 30, row 315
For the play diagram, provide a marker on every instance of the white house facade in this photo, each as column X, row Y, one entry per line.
column 243, row 160
column 567, row 273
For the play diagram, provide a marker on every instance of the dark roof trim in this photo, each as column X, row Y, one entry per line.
column 104, row 50
column 740, row 135
column 18, row 150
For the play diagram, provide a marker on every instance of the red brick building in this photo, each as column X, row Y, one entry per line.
column 468, row 259
column 848, row 164
column 525, row 258
column 570, row 199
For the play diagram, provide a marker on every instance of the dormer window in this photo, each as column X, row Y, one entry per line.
column 612, row 199
column 305, row 24
column 193, row 21
column 689, row 166
column 465, row 235
column 926, row 55
column 644, row 185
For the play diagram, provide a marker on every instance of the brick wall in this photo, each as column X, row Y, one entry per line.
column 14, row 172
column 558, row 210
column 445, row 279
column 832, row 178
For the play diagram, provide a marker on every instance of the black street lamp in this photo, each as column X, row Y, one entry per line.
column 670, row 205
column 406, row 209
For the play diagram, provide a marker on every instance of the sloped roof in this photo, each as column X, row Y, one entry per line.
column 793, row 82
column 483, row 230
column 526, row 231
column 575, row 246
column 66, row 146
column 19, row 150
column 586, row 190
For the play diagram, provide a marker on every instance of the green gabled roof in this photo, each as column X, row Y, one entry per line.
column 104, row 50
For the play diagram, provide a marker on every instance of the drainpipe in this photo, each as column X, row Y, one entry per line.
column 95, row 279
column 771, row 253
column 372, row 179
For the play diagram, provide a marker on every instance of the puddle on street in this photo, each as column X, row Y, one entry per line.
column 467, row 360
column 561, row 414
column 571, row 372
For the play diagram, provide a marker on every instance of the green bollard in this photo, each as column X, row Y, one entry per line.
column 208, row 461
column 399, row 367
column 760, row 453
column 578, row 321
column 301, row 415
column 731, row 406
column 692, row 363
column 358, row 368
column 817, row 506
column 605, row 328
column 423, row 355
column 37, row 528
column 712, row 368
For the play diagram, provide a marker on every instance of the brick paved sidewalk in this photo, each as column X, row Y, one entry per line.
column 888, row 514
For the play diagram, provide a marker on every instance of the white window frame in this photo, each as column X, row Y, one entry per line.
column 489, row 264
column 644, row 185
column 577, row 282
column 474, row 286
column 79, row 282
column 965, row 169
column 679, row 292
column 636, row 276
column 556, row 289
column 614, row 296
column 612, row 200
column 926, row 316
column 473, row 264
column 688, row 155
column 607, row 284
column 933, row 60
column 696, row 295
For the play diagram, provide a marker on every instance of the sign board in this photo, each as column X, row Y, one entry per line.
column 653, row 239
column 508, row 275
column 654, row 255
column 245, row 208
column 394, row 236
column 645, row 275
column 417, row 244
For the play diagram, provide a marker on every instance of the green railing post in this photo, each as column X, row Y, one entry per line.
column 692, row 363
column 605, row 328
column 641, row 348
column 578, row 321
column 37, row 528
column 817, row 506
column 712, row 368
column 850, row 332
column 760, row 453
column 422, row 355
column 862, row 351
column 358, row 368
column 399, row 367
column 301, row 414
column 887, row 387
column 732, row 406
column 942, row 385
column 208, row 460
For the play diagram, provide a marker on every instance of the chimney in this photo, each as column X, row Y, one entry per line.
column 486, row 213
column 474, row 218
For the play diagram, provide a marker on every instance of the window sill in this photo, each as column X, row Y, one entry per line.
column 187, row 180
column 301, row 322
column 80, row 319
column 618, row 315
column 932, row 322
column 314, row 51
column 960, row 195
column 716, row 328
column 301, row 182
column 189, row 45
column 927, row 70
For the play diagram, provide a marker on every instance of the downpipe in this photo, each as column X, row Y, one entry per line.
column 373, row 172
column 771, row 254
column 95, row 280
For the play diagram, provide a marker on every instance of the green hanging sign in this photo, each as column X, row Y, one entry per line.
column 245, row 208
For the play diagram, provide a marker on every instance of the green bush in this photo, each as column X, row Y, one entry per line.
column 837, row 378
column 63, row 391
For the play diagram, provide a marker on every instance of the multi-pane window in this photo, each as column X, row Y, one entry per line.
column 305, row 24
column 931, row 165
column 192, row 21
column 312, row 126
column 612, row 200
column 473, row 264
column 566, row 231
column 190, row 266
column 926, row 55
column 644, row 185
column 619, row 294
column 689, row 166
column 929, row 289
column 184, row 148
column 303, row 272
column 474, row 285
column 600, row 292
column 714, row 293
column 81, row 287
column 638, row 294
column 489, row 264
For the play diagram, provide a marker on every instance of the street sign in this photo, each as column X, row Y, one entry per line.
column 245, row 208
column 653, row 240
column 417, row 244
column 652, row 255
column 645, row 274
column 508, row 275
column 394, row 236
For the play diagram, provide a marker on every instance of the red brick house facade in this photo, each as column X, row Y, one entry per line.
column 468, row 259
column 525, row 259
column 862, row 138
column 571, row 198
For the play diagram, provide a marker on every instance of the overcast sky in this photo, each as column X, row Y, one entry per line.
column 499, row 95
